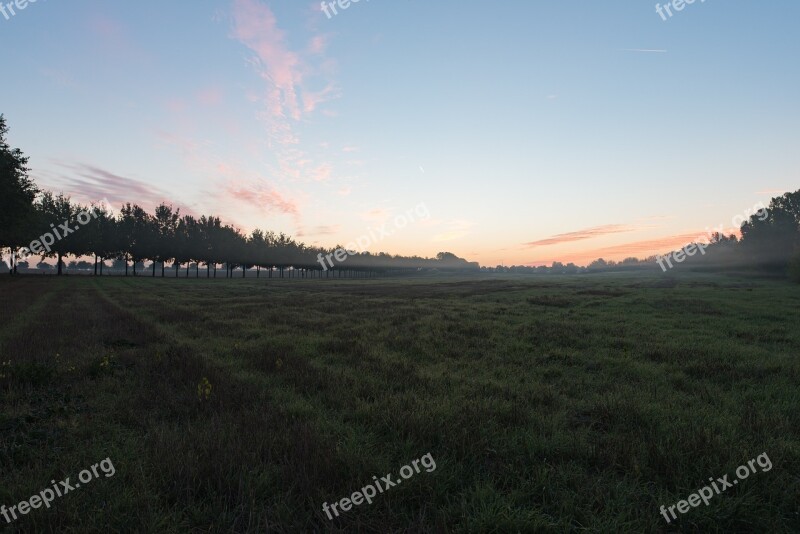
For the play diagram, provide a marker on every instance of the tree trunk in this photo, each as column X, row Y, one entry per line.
column 154, row 268
column 95, row 264
column 258, row 271
column 162, row 268
column 126, row 265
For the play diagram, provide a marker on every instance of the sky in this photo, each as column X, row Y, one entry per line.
column 531, row 131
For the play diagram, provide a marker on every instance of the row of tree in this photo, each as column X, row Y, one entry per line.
column 30, row 216
column 767, row 243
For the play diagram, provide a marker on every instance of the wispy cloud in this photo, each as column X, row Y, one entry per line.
column 289, row 94
column 376, row 215
column 454, row 229
column 255, row 26
column 318, row 44
column 322, row 173
column 640, row 249
column 262, row 197
column 320, row 231
column 650, row 246
column 580, row 235
column 88, row 183
column 774, row 191
column 210, row 96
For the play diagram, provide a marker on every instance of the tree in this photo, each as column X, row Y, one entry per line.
column 101, row 237
column 126, row 234
column 166, row 227
column 55, row 213
column 209, row 234
column 185, row 248
column 17, row 193
column 145, row 241
column 770, row 237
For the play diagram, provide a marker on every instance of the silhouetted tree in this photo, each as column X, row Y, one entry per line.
column 17, row 193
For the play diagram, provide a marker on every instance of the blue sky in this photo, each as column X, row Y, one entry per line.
column 532, row 131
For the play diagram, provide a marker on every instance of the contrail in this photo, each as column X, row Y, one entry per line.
column 644, row 50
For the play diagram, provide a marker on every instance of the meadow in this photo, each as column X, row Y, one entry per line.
column 549, row 403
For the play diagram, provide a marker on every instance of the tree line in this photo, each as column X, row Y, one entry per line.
column 53, row 226
column 769, row 244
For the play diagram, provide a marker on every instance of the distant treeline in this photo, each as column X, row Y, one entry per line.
column 769, row 243
column 53, row 226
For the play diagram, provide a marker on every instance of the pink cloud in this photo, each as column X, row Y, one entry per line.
column 773, row 191
column 113, row 39
column 377, row 214
column 581, row 235
column 322, row 173
column 320, row 231
column 640, row 249
column 313, row 99
column 88, row 183
column 255, row 26
column 176, row 105
column 264, row 198
column 318, row 44
column 253, row 190
column 290, row 91
column 105, row 26
column 455, row 229
column 210, row 96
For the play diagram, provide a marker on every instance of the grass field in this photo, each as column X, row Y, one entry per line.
column 549, row 404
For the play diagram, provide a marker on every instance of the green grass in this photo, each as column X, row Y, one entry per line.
column 549, row 404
